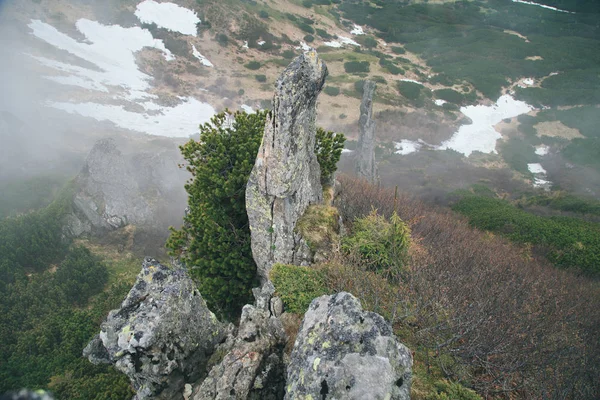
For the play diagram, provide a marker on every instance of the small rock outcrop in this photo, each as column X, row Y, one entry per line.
column 343, row 352
column 366, row 166
column 253, row 367
column 162, row 336
column 285, row 179
column 119, row 186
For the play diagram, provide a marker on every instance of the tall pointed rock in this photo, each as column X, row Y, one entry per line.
column 286, row 176
column 365, row 156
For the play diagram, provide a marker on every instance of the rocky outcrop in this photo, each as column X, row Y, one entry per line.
column 253, row 367
column 163, row 334
column 366, row 166
column 285, row 179
column 343, row 352
column 116, row 188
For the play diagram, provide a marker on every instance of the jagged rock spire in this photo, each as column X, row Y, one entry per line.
column 365, row 156
column 286, row 177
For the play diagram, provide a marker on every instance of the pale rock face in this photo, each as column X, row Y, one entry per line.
column 162, row 335
column 343, row 352
column 285, row 179
column 366, row 167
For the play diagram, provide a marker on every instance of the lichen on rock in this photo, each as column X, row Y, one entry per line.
column 285, row 179
column 343, row 352
column 162, row 335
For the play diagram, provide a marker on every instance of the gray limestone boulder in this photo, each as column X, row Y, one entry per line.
column 162, row 335
column 366, row 167
column 285, row 179
column 343, row 352
column 253, row 366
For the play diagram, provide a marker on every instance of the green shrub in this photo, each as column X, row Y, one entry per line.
column 306, row 27
column 241, row 92
column 451, row 96
column 398, row 50
column 356, row 66
column 323, row 34
column 297, row 286
column 253, row 65
column 328, row 149
column 222, row 39
column 446, row 390
column 263, row 14
column 410, row 90
column 309, row 38
column 368, row 41
column 307, row 3
column 383, row 245
column 288, row 54
column 260, row 78
column 331, row 90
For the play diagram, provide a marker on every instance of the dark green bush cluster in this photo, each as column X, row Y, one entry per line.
column 331, row 90
column 465, row 41
column 412, row 91
column 222, row 39
column 309, row 38
column 451, row 96
column 328, row 147
column 571, row 242
column 253, row 65
column 288, row 54
column 298, row 286
column 356, row 66
column 260, row 78
column 391, row 67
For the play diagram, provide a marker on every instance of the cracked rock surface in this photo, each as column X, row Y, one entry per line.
column 162, row 335
column 343, row 352
column 285, row 179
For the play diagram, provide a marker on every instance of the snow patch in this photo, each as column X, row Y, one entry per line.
column 439, row 102
column 536, row 168
column 347, row 151
column 542, row 150
column 179, row 121
column 411, row 80
column 333, row 43
column 542, row 5
column 112, row 48
column 260, row 42
column 358, row 30
column 169, row 16
column 200, row 57
column 346, row 40
column 247, row 108
column 481, row 135
column 406, row 146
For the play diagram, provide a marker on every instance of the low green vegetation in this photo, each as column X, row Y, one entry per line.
column 260, row 78
column 451, row 96
column 331, row 90
column 298, row 286
column 567, row 242
column 517, row 153
column 53, row 297
column 566, row 202
column 253, row 65
column 466, row 42
column 354, row 67
column 381, row 244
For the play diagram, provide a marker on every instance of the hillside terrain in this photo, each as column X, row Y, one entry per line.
column 484, row 260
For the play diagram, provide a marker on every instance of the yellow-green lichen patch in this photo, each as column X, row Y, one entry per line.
column 316, row 363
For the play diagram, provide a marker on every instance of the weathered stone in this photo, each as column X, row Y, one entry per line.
column 116, row 188
column 163, row 334
column 285, row 179
column 343, row 352
column 253, row 366
column 366, row 167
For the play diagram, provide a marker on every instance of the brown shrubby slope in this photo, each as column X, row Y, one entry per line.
column 478, row 307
